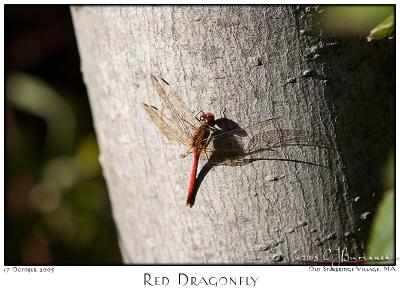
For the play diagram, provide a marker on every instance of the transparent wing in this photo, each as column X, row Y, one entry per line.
column 182, row 118
column 287, row 137
column 169, row 131
column 238, row 157
column 238, row 131
column 234, row 150
column 255, row 144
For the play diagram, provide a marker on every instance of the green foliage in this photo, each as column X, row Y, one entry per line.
column 383, row 30
column 63, row 213
column 389, row 173
column 352, row 20
column 381, row 242
column 56, row 204
column 87, row 157
column 32, row 95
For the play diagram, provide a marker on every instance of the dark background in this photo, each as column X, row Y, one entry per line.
column 56, row 203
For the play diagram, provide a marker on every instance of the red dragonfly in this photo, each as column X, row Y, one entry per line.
column 204, row 138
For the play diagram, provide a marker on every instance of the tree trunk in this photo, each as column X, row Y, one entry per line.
column 256, row 62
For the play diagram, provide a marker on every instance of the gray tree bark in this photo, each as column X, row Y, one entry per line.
column 257, row 62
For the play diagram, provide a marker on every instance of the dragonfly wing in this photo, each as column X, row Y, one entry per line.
column 181, row 114
column 233, row 151
column 169, row 131
column 242, row 132
column 229, row 149
column 287, row 137
column 237, row 157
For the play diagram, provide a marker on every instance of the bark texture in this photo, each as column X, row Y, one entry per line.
column 257, row 62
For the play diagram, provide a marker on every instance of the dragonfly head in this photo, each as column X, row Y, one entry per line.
column 208, row 118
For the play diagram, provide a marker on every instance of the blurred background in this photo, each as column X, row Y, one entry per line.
column 372, row 24
column 56, row 203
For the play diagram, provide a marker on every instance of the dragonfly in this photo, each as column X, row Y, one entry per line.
column 219, row 141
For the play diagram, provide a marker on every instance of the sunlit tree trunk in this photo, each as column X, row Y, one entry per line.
column 256, row 62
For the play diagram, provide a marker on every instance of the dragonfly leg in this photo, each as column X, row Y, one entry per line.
column 185, row 154
column 208, row 139
column 206, row 143
column 206, row 154
column 215, row 128
column 222, row 112
column 197, row 115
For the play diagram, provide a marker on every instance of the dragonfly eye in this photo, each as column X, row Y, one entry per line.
column 208, row 118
